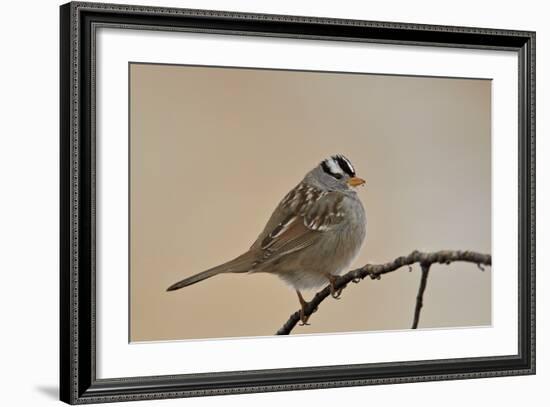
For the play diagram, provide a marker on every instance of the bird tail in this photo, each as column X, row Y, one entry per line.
column 241, row 264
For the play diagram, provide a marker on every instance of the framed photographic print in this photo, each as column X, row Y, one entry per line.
column 255, row 203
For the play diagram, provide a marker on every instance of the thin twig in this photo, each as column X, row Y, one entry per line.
column 375, row 271
column 420, row 295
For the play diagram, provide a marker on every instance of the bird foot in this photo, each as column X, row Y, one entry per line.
column 303, row 318
column 334, row 293
column 303, row 304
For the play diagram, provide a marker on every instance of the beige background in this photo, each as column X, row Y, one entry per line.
column 213, row 150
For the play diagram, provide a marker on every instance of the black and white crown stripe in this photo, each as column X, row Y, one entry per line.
column 337, row 165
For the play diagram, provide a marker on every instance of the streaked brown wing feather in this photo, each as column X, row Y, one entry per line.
column 299, row 226
column 294, row 232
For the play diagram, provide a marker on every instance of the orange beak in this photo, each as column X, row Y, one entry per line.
column 356, row 181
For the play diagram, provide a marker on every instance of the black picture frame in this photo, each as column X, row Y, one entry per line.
column 78, row 382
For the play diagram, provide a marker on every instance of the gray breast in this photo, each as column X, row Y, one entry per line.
column 336, row 251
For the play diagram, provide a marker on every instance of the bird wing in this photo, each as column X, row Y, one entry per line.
column 298, row 222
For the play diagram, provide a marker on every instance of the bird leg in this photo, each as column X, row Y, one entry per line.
column 303, row 303
column 333, row 292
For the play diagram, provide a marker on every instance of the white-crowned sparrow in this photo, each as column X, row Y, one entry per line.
column 312, row 236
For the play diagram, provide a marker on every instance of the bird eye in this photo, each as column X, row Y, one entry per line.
column 337, row 176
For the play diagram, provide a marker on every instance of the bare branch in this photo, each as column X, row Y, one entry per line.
column 420, row 295
column 375, row 271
